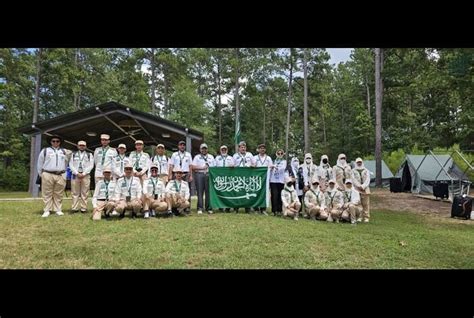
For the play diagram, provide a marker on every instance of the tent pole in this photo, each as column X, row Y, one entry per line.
column 416, row 172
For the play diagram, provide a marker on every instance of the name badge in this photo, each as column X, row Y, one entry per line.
column 128, row 198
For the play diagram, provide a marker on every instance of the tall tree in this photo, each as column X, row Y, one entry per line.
column 378, row 115
column 32, row 180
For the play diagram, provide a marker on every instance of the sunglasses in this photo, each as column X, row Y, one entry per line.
column 279, row 153
column 55, row 140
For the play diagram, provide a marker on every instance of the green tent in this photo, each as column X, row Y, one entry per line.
column 419, row 172
column 386, row 173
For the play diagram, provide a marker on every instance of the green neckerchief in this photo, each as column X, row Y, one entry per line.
column 332, row 197
column 129, row 187
column 103, row 154
column 153, row 183
column 121, row 162
column 317, row 196
column 137, row 159
column 348, row 196
column 81, row 159
column 106, row 189
column 176, row 186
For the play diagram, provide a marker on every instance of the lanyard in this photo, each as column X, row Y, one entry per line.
column 103, row 153
column 260, row 161
column 181, row 159
column 224, row 159
column 161, row 161
column 332, row 197
column 56, row 153
column 121, row 162
column 81, row 158
column 242, row 159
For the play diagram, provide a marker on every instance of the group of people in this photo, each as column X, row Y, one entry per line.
column 160, row 185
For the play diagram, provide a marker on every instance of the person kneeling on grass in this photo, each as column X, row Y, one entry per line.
column 154, row 194
column 290, row 202
column 177, row 193
column 314, row 201
column 352, row 208
column 128, row 192
column 103, row 196
column 334, row 201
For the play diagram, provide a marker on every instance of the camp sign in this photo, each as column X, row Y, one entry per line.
column 238, row 187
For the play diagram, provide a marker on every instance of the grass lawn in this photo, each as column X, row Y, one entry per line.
column 14, row 195
column 391, row 240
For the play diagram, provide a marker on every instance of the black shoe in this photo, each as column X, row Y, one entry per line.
column 122, row 215
column 134, row 215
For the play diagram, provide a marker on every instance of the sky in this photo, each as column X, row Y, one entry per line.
column 339, row 55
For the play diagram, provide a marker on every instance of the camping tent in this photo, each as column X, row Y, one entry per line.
column 419, row 172
column 386, row 173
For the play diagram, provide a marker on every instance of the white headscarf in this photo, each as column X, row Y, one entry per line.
column 340, row 162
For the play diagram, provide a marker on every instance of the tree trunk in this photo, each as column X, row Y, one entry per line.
column 153, row 82
column 237, row 104
column 76, row 66
column 378, row 116
column 368, row 94
column 165, row 90
column 264, row 120
column 305, row 103
column 35, row 119
column 288, row 113
column 219, row 106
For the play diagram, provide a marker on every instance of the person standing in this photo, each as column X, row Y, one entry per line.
column 103, row 157
column 200, row 168
column 277, row 181
column 81, row 165
column 119, row 162
column 243, row 158
column 140, row 161
column 51, row 166
column 361, row 179
column 262, row 160
column 224, row 160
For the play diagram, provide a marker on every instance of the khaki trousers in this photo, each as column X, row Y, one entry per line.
column 52, row 189
column 80, row 192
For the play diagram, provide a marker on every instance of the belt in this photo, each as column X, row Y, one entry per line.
column 54, row 172
column 163, row 175
column 201, row 172
column 102, row 200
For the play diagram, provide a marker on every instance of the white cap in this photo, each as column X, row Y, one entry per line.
column 308, row 156
column 128, row 165
column 106, row 169
column 359, row 159
column 332, row 181
column 160, row 145
column 348, row 181
column 223, row 147
column 177, row 169
column 314, row 179
column 104, row 136
column 122, row 146
column 203, row 146
column 139, row 142
column 81, row 143
column 153, row 166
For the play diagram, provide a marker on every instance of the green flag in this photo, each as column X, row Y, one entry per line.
column 238, row 187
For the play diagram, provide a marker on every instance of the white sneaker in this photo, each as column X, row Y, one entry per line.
column 59, row 213
column 210, row 212
column 115, row 213
column 359, row 220
column 147, row 215
column 45, row 214
column 366, row 220
column 199, row 212
column 329, row 219
column 295, row 218
column 353, row 222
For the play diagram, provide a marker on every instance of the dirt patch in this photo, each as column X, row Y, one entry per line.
column 384, row 199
